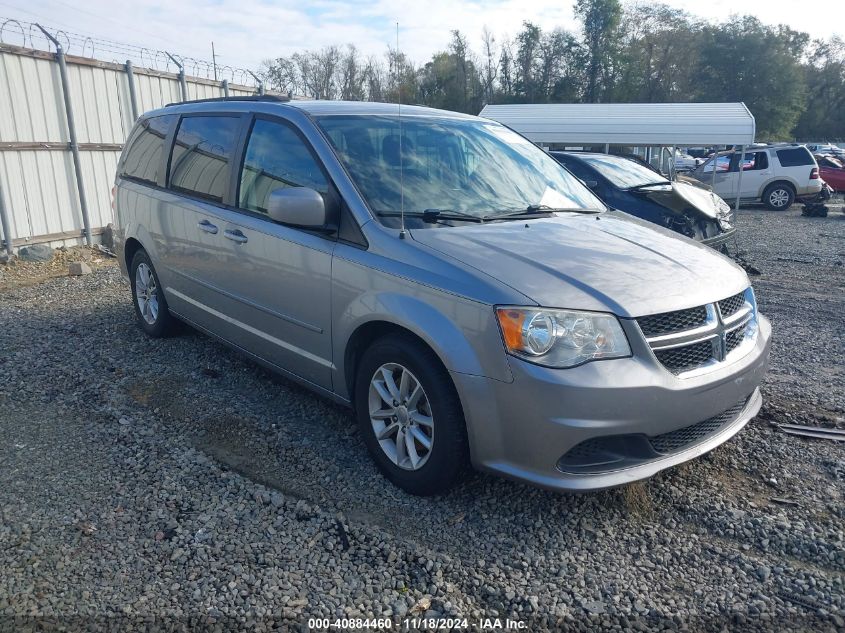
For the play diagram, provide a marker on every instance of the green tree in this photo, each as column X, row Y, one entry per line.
column 658, row 55
column 451, row 80
column 526, row 83
column 745, row 60
column 823, row 119
column 600, row 21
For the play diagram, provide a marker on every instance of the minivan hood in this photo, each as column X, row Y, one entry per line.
column 607, row 262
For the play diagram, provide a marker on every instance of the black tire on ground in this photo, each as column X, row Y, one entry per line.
column 449, row 457
column 778, row 196
column 163, row 324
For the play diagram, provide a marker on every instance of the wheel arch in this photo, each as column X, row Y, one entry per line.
column 367, row 334
column 421, row 322
column 779, row 180
column 130, row 247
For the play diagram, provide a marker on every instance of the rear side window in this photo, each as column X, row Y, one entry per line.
column 144, row 155
column 276, row 157
column 202, row 154
column 755, row 162
column 795, row 157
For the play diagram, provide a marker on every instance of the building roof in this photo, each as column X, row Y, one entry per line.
column 638, row 124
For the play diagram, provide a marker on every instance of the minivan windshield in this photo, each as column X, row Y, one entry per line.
column 624, row 172
column 461, row 168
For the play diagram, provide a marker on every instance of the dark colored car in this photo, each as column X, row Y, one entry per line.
column 629, row 186
column 832, row 171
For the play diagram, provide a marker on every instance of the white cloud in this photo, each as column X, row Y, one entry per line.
column 248, row 31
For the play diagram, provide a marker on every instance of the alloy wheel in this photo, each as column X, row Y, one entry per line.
column 146, row 293
column 779, row 197
column 400, row 413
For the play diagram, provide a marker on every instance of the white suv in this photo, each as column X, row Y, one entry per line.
column 776, row 175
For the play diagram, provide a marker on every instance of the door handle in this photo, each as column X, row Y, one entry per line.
column 207, row 226
column 235, row 236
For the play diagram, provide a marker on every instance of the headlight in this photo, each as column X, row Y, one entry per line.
column 561, row 338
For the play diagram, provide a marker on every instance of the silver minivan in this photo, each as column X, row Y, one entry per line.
column 469, row 298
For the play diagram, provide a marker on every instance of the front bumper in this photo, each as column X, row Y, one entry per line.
column 719, row 242
column 522, row 429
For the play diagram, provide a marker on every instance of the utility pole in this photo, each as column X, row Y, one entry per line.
column 214, row 60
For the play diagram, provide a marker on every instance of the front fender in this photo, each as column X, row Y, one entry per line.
column 462, row 333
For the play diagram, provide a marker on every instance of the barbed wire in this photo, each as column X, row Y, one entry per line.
column 28, row 35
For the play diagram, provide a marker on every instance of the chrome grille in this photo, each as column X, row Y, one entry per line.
column 677, row 321
column 686, row 341
column 680, row 439
column 734, row 338
column 732, row 305
column 681, row 359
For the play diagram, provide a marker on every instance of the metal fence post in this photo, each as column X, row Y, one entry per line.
column 71, row 125
column 182, row 83
column 739, row 181
column 4, row 222
column 713, row 175
column 225, row 86
column 260, row 82
column 133, row 98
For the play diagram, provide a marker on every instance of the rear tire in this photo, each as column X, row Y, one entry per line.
column 151, row 310
column 421, row 445
column 778, row 196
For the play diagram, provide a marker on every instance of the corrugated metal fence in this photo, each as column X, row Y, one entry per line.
column 38, row 184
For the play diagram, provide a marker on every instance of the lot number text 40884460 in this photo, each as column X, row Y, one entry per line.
column 419, row 624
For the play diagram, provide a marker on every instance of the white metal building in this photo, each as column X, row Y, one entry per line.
column 40, row 198
column 628, row 124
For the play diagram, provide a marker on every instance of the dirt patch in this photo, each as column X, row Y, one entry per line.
column 20, row 273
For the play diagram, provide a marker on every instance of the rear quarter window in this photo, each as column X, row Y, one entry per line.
column 795, row 157
column 143, row 158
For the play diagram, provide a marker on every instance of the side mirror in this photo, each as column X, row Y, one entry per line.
column 297, row 206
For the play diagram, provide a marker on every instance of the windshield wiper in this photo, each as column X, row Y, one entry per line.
column 432, row 216
column 649, row 184
column 537, row 211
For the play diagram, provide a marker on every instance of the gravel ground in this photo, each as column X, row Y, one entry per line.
column 171, row 484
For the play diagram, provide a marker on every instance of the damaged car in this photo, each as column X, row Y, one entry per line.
column 627, row 185
column 832, row 171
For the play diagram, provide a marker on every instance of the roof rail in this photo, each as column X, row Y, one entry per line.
column 265, row 97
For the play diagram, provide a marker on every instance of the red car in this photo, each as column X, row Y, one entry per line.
column 832, row 171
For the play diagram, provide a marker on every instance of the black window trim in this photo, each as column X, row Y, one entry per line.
column 333, row 192
column 734, row 164
column 171, row 142
column 230, row 198
column 332, row 189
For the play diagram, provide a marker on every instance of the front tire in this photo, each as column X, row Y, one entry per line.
column 151, row 310
column 410, row 416
column 778, row 196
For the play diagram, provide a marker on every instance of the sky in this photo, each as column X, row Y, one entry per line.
column 245, row 32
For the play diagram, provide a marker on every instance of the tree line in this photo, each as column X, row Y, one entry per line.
column 635, row 53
